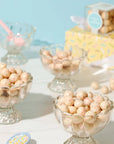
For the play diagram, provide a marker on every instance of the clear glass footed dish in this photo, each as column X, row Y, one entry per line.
column 23, row 36
column 63, row 65
column 81, row 127
column 9, row 96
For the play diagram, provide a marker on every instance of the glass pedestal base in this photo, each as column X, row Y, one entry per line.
column 61, row 85
column 14, row 59
column 78, row 140
column 9, row 116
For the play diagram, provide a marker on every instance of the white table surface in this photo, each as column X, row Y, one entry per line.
column 37, row 112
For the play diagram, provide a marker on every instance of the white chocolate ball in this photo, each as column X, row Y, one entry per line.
column 69, row 101
column 105, row 105
column 89, row 117
column 77, row 119
column 105, row 90
column 105, row 15
column 81, row 111
column 87, row 101
column 95, row 85
column 72, row 109
column 62, row 107
column 98, row 99
column 81, row 95
column 68, row 93
column 19, row 82
column 13, row 78
column 58, row 66
column 78, row 103
column 18, row 71
column 5, row 83
column 5, row 73
column 25, row 77
column 95, row 107
column 61, row 100
column 2, row 65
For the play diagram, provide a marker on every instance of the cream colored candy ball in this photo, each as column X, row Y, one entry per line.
column 110, row 28
column 98, row 99
column 88, row 101
column 55, row 58
column 107, row 22
column 89, row 117
column 63, row 107
column 46, row 60
column 2, row 65
column 105, row 90
column 61, row 54
column 5, row 73
column 77, row 119
column 12, row 70
column 69, row 53
column 95, row 85
column 61, row 100
column 81, row 95
column 67, row 121
column 46, row 53
column 58, row 66
column 75, row 62
column 95, row 107
column 78, row 103
column 81, row 111
column 51, row 66
column 105, row 105
column 18, row 71
column 68, row 93
column 69, row 101
column 105, row 15
column 66, row 63
column 5, row 83
column 13, row 78
column 111, row 83
column 72, row 109
column 19, row 82
column 104, row 30
column 90, row 94
column 25, row 77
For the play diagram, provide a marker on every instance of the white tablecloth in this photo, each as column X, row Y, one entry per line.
column 37, row 113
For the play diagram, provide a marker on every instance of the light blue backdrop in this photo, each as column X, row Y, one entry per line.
column 51, row 17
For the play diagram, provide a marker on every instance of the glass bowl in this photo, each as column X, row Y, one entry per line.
column 14, row 55
column 62, row 69
column 8, row 98
column 77, row 125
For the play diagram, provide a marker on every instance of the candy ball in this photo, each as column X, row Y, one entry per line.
column 12, row 70
column 46, row 53
column 18, row 71
column 72, row 109
column 78, row 103
column 63, row 107
column 90, row 94
column 1, row 77
column 5, row 73
column 68, row 94
column 2, row 65
column 104, row 30
column 105, row 15
column 61, row 100
column 105, row 105
column 98, row 99
column 58, row 67
column 69, row 101
column 89, row 117
column 24, row 77
column 69, row 53
column 76, row 62
column 95, row 85
column 88, row 101
column 13, row 78
column 105, row 90
column 81, row 95
column 107, row 22
column 51, row 66
column 81, row 111
column 95, row 107
column 46, row 61
column 5, row 83
column 61, row 54
column 66, row 63
column 19, row 82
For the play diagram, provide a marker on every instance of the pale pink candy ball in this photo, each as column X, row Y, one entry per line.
column 58, row 66
column 90, row 117
column 98, row 99
column 77, row 119
column 95, row 85
column 46, row 53
column 66, row 63
column 67, row 121
column 81, row 95
column 46, row 60
column 5, row 83
column 105, row 90
column 95, row 107
column 51, row 66
column 72, row 109
column 78, row 103
column 18, row 71
column 19, row 82
column 88, row 101
column 5, row 73
column 2, row 65
column 25, row 77
column 81, row 111
column 61, row 100
column 12, row 70
column 1, row 77
column 62, row 107
column 61, row 54
column 69, row 101
column 13, row 78
column 68, row 93
column 105, row 105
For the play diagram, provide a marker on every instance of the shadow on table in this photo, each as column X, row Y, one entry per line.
column 32, row 142
column 35, row 105
column 106, row 136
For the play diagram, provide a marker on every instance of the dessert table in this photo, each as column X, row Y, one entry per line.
column 37, row 112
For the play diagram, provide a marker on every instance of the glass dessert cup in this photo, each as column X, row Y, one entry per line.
column 81, row 130
column 14, row 55
column 62, row 69
column 8, row 98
